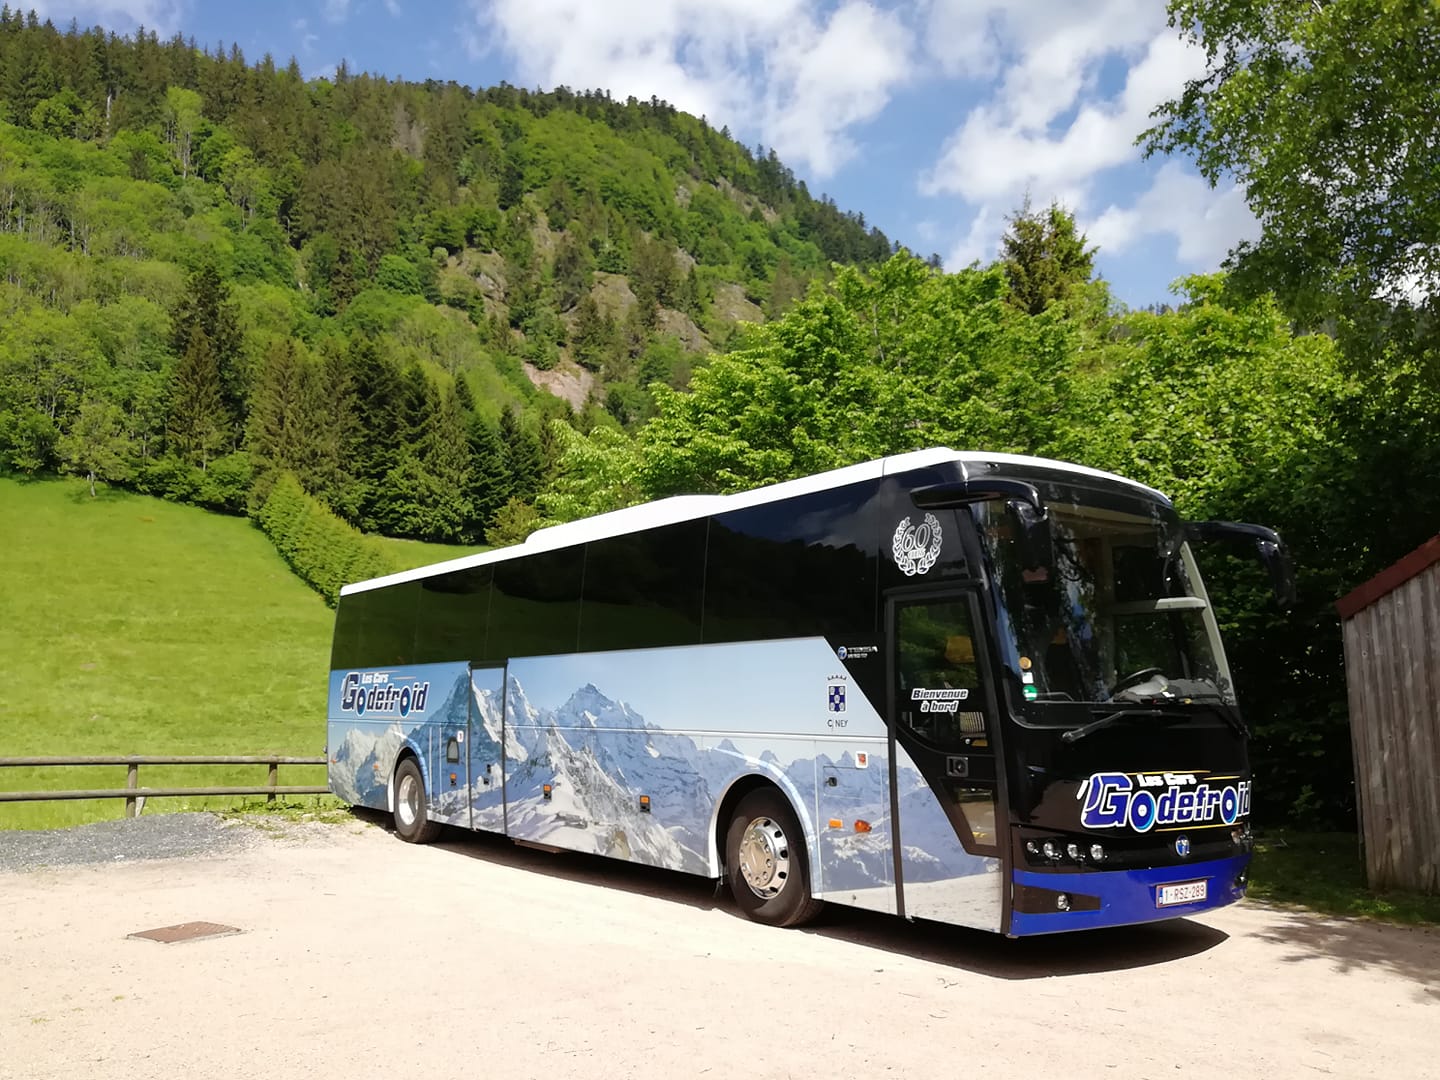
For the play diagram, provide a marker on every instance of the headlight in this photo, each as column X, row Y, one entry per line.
column 1097, row 853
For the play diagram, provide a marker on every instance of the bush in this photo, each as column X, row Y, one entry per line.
column 170, row 478
column 224, row 485
column 323, row 550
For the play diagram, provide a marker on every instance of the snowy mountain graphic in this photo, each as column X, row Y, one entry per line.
column 598, row 755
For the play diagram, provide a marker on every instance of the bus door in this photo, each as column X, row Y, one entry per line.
column 449, row 766
column 485, row 757
column 943, row 742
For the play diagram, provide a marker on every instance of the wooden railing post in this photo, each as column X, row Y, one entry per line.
column 274, row 775
column 132, row 781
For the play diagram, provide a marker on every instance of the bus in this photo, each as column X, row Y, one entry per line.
column 982, row 689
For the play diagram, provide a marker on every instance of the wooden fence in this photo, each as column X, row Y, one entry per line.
column 1392, row 671
column 135, row 796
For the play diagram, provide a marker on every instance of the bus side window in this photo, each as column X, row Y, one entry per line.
column 644, row 590
column 454, row 609
column 387, row 625
column 803, row 568
column 535, row 605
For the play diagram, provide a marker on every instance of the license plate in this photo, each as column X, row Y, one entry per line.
column 1187, row 892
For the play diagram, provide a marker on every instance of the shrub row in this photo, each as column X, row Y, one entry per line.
column 320, row 547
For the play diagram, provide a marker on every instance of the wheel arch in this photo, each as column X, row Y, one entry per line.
column 743, row 785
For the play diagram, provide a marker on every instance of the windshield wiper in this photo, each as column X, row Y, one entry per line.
column 1230, row 714
column 1226, row 710
column 1076, row 734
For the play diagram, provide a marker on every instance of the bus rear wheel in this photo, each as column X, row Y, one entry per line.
column 766, row 863
column 412, row 810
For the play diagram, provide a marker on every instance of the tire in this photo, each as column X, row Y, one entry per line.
column 412, row 809
column 766, row 862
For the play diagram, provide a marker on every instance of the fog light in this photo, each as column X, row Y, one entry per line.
column 1051, row 851
column 1062, row 902
column 1073, row 850
column 1242, row 879
column 1097, row 852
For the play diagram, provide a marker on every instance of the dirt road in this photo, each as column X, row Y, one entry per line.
column 362, row 956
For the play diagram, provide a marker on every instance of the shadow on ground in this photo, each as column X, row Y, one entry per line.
column 1349, row 945
column 965, row 950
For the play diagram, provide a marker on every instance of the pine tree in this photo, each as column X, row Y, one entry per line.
column 1044, row 256
column 377, row 386
column 196, row 427
column 415, row 406
column 572, row 274
column 447, row 459
column 275, row 431
column 593, row 334
column 524, row 461
column 490, row 482
column 206, row 307
column 785, row 288
column 692, row 297
column 339, row 439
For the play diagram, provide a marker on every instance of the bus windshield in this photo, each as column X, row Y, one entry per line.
column 1119, row 616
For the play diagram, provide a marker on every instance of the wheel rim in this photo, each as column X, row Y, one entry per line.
column 407, row 802
column 764, row 857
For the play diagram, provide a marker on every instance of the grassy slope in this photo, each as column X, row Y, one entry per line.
column 131, row 625
column 415, row 553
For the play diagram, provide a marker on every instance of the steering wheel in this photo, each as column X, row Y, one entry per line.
column 1135, row 678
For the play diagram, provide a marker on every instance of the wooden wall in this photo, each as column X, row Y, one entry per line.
column 1392, row 669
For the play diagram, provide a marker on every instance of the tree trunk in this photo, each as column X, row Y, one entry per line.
column 92, row 483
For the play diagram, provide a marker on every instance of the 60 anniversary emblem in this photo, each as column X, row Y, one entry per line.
column 916, row 547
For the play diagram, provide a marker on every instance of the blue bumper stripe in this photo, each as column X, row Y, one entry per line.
column 1128, row 896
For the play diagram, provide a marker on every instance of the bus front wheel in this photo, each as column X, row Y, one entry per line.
column 412, row 816
column 766, row 863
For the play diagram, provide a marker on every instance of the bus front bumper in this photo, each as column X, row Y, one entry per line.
column 1053, row 903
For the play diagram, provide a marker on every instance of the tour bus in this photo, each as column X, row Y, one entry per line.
column 977, row 688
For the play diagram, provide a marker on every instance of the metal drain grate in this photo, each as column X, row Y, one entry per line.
column 186, row 931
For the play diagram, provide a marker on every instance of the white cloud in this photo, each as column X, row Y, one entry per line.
column 1051, row 125
column 394, row 8
column 979, row 243
column 998, row 154
column 1206, row 223
column 162, row 16
column 800, row 76
column 307, row 38
column 835, row 80
column 336, row 11
column 1044, row 51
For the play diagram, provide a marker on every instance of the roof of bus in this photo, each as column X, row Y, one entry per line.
column 679, row 508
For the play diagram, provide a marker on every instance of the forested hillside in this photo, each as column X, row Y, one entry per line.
column 214, row 273
column 212, row 270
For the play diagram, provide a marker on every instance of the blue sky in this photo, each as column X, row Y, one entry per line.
column 933, row 118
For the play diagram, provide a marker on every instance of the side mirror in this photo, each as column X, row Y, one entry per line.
column 1269, row 549
column 1021, row 499
column 1037, row 548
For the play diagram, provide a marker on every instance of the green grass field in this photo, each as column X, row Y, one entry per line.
column 413, row 553
column 129, row 625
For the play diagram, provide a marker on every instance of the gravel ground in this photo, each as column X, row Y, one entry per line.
column 360, row 956
column 158, row 836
